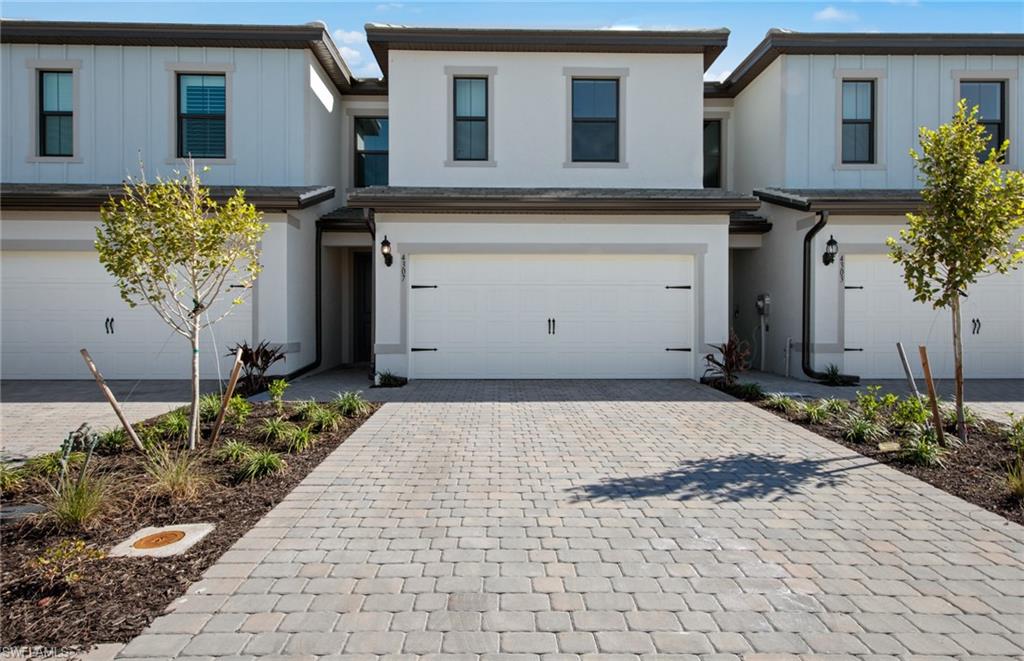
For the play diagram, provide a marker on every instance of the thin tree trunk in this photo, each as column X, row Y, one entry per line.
column 958, row 370
column 193, row 428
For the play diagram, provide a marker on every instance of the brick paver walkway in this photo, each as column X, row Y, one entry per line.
column 624, row 519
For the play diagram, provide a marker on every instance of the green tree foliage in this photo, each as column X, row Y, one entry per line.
column 169, row 245
column 968, row 225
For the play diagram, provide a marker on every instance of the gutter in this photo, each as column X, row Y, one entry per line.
column 807, row 308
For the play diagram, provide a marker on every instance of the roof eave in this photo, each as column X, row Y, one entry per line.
column 553, row 206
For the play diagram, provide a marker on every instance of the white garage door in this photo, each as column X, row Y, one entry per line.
column 551, row 316
column 55, row 303
column 881, row 311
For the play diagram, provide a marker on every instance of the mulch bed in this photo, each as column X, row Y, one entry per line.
column 975, row 472
column 118, row 597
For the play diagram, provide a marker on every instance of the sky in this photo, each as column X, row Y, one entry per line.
column 748, row 20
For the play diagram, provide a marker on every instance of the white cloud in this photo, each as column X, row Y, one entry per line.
column 834, row 15
column 717, row 76
column 630, row 28
column 368, row 70
column 388, row 6
column 350, row 55
column 349, row 36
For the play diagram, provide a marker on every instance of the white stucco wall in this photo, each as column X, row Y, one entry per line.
column 279, row 133
column 757, row 132
column 662, row 116
column 911, row 91
column 444, row 233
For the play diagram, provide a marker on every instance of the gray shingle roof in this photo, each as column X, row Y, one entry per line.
column 866, row 201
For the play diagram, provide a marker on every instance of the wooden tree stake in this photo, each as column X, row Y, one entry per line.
column 236, row 369
column 936, row 418
column 113, row 401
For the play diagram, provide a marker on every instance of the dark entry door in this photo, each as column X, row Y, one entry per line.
column 362, row 300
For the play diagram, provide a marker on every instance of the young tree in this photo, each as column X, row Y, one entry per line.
column 968, row 226
column 171, row 246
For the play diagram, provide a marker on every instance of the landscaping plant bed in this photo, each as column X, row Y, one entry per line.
column 976, row 471
column 115, row 598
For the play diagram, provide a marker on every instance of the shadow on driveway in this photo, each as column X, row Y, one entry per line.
column 725, row 479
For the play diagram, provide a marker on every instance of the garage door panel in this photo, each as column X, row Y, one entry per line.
column 614, row 315
column 884, row 312
column 55, row 303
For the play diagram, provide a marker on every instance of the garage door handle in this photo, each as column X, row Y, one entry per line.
column 554, row 327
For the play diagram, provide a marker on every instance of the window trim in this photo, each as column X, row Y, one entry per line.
column 34, row 68
column 44, row 113
column 596, row 73
column 879, row 117
column 871, row 123
column 1009, row 77
column 721, row 150
column 488, row 74
column 181, row 116
column 356, row 151
column 176, row 68
column 456, row 118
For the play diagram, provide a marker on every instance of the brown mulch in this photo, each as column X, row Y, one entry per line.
column 118, row 597
column 975, row 471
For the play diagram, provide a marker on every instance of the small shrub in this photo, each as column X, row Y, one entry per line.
column 351, row 404
column 50, row 465
column 910, row 412
column 299, row 439
column 322, row 418
column 77, row 503
column 176, row 475
column 922, row 449
column 835, row 406
column 112, row 441
column 1015, row 433
column 12, row 480
column 209, row 407
column 948, row 414
column 233, row 452
column 386, row 379
column 276, row 389
column 239, row 409
column 255, row 363
column 816, row 413
column 782, row 403
column 63, row 564
column 869, row 403
column 275, row 429
column 733, row 358
column 259, row 464
column 750, row 392
column 863, row 429
column 833, row 377
column 149, row 436
column 1015, row 478
column 174, row 425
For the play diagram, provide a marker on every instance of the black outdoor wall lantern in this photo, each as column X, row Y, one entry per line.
column 385, row 249
column 831, row 248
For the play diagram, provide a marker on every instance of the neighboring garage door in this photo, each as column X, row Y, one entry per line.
column 55, row 303
column 879, row 311
column 551, row 316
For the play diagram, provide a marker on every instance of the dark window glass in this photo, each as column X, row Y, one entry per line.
column 371, row 151
column 988, row 96
column 712, row 153
column 470, row 134
column 595, row 120
column 858, row 133
column 201, row 116
column 56, row 125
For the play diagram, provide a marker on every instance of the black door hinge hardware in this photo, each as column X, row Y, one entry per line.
column 678, row 287
column 423, row 286
column 852, row 349
column 677, row 348
column 423, row 349
column 853, row 287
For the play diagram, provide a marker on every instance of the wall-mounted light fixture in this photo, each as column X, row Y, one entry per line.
column 385, row 249
column 831, row 248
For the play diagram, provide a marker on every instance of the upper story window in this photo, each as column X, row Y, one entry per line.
column 56, row 114
column 712, row 153
column 858, row 137
column 470, row 134
column 989, row 96
column 202, row 129
column 595, row 120
column 371, row 151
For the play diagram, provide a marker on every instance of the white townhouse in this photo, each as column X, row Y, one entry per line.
column 503, row 203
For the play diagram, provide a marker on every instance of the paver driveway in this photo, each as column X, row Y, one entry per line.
column 618, row 518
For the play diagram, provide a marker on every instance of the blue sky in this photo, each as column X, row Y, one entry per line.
column 747, row 20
